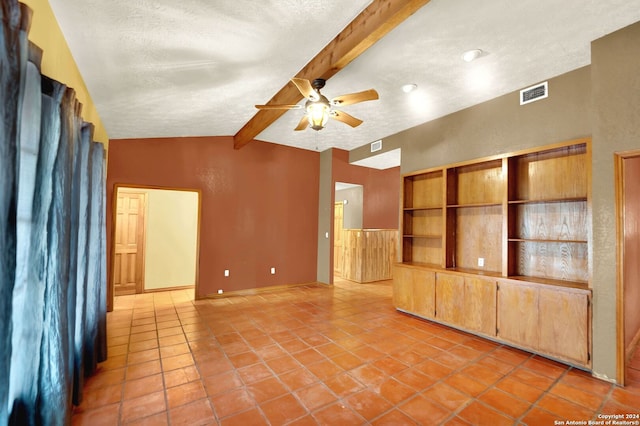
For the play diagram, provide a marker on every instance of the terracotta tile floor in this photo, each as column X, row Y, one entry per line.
column 336, row 355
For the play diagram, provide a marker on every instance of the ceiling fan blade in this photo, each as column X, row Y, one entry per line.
column 305, row 87
column 302, row 124
column 345, row 118
column 278, row 106
column 354, row 98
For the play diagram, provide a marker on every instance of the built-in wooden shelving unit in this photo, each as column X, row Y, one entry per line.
column 496, row 245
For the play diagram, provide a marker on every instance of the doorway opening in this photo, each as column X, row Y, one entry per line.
column 628, row 277
column 156, row 242
column 347, row 214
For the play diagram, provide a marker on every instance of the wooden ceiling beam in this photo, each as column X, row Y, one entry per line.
column 373, row 23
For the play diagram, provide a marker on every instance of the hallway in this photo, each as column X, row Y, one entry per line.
column 324, row 355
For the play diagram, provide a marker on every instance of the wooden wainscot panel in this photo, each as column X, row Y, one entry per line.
column 564, row 322
column 450, row 298
column 480, row 305
column 414, row 290
column 369, row 254
column 518, row 314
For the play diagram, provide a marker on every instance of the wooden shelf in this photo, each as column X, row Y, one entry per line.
column 464, row 206
column 551, row 200
column 423, row 236
column 538, row 240
column 471, row 271
column 413, row 209
column 552, row 282
column 419, row 265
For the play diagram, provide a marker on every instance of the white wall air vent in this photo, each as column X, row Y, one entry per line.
column 534, row 93
column 376, row 146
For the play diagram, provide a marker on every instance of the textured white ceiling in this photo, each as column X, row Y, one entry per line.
column 160, row 68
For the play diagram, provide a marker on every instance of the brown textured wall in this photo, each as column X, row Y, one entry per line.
column 631, row 249
column 381, row 190
column 259, row 205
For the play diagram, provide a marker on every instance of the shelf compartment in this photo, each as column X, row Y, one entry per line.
column 558, row 173
column 560, row 261
column 557, row 221
column 476, row 184
column 422, row 250
column 424, row 190
column 478, row 234
column 422, row 222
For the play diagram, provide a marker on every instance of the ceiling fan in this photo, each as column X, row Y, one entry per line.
column 319, row 109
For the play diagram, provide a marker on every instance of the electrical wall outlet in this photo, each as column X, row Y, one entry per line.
column 226, row 272
column 220, row 291
column 273, row 271
column 480, row 262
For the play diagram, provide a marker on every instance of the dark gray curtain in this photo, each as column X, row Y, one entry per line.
column 27, row 294
column 13, row 62
column 95, row 335
column 52, row 237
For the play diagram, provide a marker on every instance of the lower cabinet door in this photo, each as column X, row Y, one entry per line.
column 402, row 288
column 564, row 325
column 424, row 290
column 518, row 314
column 450, row 299
column 414, row 291
column 480, row 305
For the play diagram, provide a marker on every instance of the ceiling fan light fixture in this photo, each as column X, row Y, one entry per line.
column 318, row 113
column 471, row 55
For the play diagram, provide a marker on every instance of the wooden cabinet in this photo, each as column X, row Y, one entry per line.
column 521, row 219
column 450, row 298
column 414, row 290
column 518, row 314
column 466, row 302
column 564, row 324
column 480, row 305
column 546, row 319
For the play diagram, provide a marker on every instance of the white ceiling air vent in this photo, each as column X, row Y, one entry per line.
column 534, row 93
column 376, row 146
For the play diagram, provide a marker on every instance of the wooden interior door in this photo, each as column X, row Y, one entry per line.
column 129, row 243
column 338, row 244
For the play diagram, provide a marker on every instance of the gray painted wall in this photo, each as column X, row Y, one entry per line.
column 615, row 72
column 353, row 210
column 501, row 125
column 325, row 214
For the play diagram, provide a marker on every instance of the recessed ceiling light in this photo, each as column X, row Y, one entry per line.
column 471, row 55
column 407, row 88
